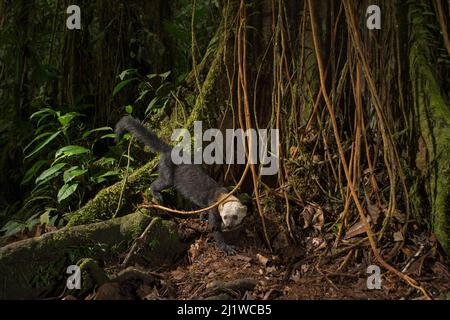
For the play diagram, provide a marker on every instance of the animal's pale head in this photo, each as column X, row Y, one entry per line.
column 232, row 214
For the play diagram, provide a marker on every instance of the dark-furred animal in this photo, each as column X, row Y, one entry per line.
column 190, row 180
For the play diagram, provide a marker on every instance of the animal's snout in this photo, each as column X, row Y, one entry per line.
column 231, row 220
column 232, row 214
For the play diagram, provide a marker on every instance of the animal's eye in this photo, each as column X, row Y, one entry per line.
column 235, row 218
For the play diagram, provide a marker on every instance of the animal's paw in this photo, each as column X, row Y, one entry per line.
column 228, row 249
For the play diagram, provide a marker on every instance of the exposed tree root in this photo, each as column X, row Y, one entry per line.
column 33, row 267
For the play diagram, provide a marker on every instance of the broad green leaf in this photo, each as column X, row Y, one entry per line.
column 143, row 94
column 107, row 136
column 110, row 173
column 43, row 112
column 39, row 137
column 43, row 128
column 50, row 173
column 73, row 173
column 165, row 75
column 35, row 199
column 104, row 176
column 32, row 171
column 53, row 220
column 66, row 191
column 41, row 119
column 122, row 85
column 12, row 227
column 43, row 144
column 32, row 221
column 45, row 217
column 89, row 132
column 107, row 161
column 127, row 72
column 67, row 118
column 102, row 129
column 69, row 151
column 151, row 105
column 166, row 103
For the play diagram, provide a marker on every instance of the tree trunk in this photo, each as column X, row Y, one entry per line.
column 433, row 116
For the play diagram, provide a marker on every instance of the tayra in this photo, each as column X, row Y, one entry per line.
column 191, row 181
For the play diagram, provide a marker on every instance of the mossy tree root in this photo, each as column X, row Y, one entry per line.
column 433, row 113
column 105, row 203
column 32, row 268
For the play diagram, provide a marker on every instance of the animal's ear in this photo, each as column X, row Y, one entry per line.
column 243, row 209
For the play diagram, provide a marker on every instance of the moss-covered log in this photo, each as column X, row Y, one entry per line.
column 34, row 267
column 105, row 203
column 433, row 114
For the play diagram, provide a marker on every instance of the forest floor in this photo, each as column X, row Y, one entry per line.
column 205, row 272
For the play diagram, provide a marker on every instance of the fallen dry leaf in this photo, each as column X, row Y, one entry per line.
column 400, row 216
column 194, row 250
column 262, row 259
column 398, row 236
column 355, row 230
column 313, row 216
column 178, row 274
column 271, row 270
column 316, row 159
column 296, row 276
column 304, row 268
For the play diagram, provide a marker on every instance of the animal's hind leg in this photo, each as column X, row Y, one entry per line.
column 165, row 178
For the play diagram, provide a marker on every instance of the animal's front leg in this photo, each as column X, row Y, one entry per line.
column 165, row 178
column 220, row 240
column 214, row 222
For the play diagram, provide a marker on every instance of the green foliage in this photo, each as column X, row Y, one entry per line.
column 63, row 168
column 155, row 91
column 42, row 64
column 13, row 227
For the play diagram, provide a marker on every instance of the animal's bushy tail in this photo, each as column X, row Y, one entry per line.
column 141, row 133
